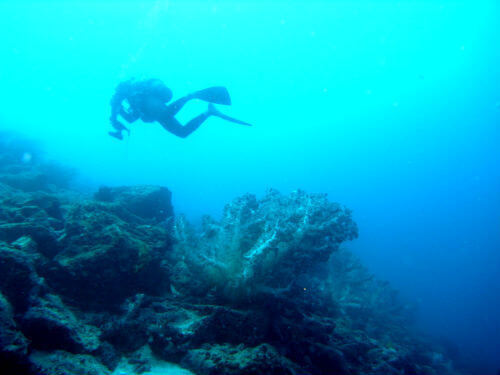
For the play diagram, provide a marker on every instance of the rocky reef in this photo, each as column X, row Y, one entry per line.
column 115, row 283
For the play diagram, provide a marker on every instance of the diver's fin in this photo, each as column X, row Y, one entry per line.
column 216, row 94
column 214, row 112
column 117, row 135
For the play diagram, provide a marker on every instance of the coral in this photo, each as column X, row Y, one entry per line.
column 267, row 243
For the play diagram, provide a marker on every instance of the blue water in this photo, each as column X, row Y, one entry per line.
column 392, row 108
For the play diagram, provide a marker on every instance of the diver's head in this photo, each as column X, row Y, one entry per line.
column 165, row 94
column 160, row 91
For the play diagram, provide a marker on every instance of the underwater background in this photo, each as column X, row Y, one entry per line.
column 392, row 108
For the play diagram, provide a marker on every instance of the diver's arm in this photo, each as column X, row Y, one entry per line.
column 121, row 93
column 117, row 109
column 118, row 125
column 114, row 119
column 128, row 116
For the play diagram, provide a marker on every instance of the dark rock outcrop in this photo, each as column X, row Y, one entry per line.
column 13, row 345
column 19, row 281
column 147, row 202
column 232, row 360
column 50, row 325
column 63, row 363
column 106, row 259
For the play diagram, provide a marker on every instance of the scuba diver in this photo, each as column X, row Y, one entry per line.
column 147, row 100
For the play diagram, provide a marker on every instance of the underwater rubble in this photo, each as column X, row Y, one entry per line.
column 115, row 283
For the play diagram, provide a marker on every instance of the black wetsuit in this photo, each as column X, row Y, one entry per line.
column 147, row 100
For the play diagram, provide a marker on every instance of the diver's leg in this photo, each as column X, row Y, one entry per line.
column 178, row 104
column 215, row 112
column 175, row 127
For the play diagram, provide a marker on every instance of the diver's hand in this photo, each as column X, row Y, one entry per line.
column 116, row 134
column 118, row 125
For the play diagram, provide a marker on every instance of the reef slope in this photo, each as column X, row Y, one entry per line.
column 115, row 283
